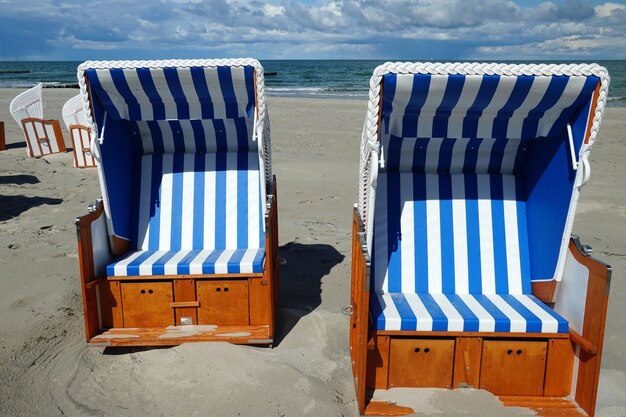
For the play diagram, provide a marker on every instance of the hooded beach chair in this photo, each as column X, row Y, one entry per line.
column 76, row 123
column 183, row 246
column 43, row 137
column 464, row 271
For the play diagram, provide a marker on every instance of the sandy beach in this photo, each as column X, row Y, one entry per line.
column 47, row 370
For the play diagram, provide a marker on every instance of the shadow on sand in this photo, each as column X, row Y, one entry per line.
column 19, row 179
column 13, row 205
column 301, row 282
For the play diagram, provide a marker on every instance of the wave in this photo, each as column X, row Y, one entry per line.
column 29, row 84
column 316, row 92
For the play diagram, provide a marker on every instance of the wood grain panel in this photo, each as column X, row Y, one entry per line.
column 147, row 304
column 512, row 367
column 223, row 303
column 559, row 367
column 417, row 363
column 467, row 357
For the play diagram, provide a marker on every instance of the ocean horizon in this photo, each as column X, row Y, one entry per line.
column 343, row 79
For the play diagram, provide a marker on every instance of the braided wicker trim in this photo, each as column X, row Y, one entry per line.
column 262, row 131
column 369, row 139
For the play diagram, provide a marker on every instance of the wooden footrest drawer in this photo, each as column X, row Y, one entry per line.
column 417, row 363
column 513, row 367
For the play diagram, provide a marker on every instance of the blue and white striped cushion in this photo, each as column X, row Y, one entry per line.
column 483, row 106
column 210, row 261
column 174, row 93
column 198, row 201
column 196, row 214
column 452, row 234
column 456, row 156
column 464, row 312
column 196, row 136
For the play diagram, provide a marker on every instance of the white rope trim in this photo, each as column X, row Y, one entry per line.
column 369, row 139
column 263, row 130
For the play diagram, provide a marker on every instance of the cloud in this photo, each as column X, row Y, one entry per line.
column 610, row 9
column 411, row 29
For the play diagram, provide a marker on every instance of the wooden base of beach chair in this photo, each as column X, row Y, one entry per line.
column 174, row 309
column 81, row 144
column 176, row 335
column 170, row 310
column 542, row 363
column 542, row 406
column 523, row 370
column 552, row 373
column 43, row 137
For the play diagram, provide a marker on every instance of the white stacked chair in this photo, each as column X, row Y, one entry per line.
column 470, row 175
column 43, row 137
column 184, row 160
column 76, row 123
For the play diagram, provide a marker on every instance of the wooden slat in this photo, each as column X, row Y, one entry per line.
column 111, row 304
column 593, row 329
column 260, row 301
column 379, row 408
column 119, row 245
column 377, row 373
column 559, row 367
column 592, row 111
column 183, row 304
column 176, row 335
column 545, row 406
column 467, row 357
column 583, row 343
column 88, row 277
column 359, row 320
column 2, row 138
column 185, row 301
column 544, row 290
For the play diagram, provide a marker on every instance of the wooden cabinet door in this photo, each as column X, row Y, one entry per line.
column 223, row 303
column 147, row 304
column 421, row 363
column 513, row 367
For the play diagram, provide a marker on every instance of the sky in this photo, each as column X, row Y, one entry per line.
column 312, row 29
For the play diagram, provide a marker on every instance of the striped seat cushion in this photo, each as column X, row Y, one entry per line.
column 170, row 262
column 451, row 234
column 198, row 201
column 195, row 214
column 451, row 254
column 464, row 312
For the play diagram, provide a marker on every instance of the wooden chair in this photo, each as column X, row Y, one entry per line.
column 183, row 246
column 76, row 123
column 43, row 137
column 2, row 139
column 464, row 273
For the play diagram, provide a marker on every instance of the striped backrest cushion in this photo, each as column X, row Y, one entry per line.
column 195, row 136
column 198, row 201
column 455, row 156
column 175, row 93
column 481, row 106
column 451, row 234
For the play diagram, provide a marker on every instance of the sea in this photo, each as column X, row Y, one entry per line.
column 285, row 78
